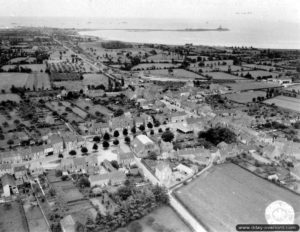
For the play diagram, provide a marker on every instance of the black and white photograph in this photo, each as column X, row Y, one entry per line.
column 149, row 115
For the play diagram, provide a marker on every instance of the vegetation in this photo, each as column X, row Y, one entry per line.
column 217, row 135
column 167, row 136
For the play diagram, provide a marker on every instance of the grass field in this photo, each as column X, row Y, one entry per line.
column 11, row 219
column 223, row 76
column 259, row 73
column 9, row 79
column 38, row 81
column 165, row 220
column 92, row 109
column 36, row 221
column 154, row 66
column 10, row 96
column 289, row 103
column 33, row 67
column 250, row 85
column 178, row 74
column 227, row 195
column 245, row 97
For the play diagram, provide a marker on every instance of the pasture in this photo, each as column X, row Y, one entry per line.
column 13, row 221
column 161, row 219
column 176, row 74
column 223, row 76
column 250, row 85
column 289, row 103
column 245, row 97
column 227, row 195
column 9, row 79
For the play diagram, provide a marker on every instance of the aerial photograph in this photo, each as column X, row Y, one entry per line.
column 149, row 115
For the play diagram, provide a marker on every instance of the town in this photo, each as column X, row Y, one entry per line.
column 101, row 135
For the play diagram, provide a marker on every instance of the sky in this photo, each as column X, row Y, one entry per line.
column 271, row 10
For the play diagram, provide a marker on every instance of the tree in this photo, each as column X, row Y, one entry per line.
column 125, row 132
column 116, row 133
column 160, row 130
column 115, row 164
column 167, row 136
column 72, row 152
column 96, row 139
column 127, row 140
column 150, row 125
column 133, row 130
column 60, row 155
column 118, row 113
column 84, row 182
column 116, row 142
column 106, row 136
column 10, row 142
column 152, row 132
column 84, row 150
column 142, row 127
column 105, row 144
column 217, row 135
column 95, row 147
column 152, row 155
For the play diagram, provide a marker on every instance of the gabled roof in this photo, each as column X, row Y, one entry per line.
column 8, row 179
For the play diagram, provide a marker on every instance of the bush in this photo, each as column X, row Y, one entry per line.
column 72, row 152
column 58, row 173
column 217, row 135
column 167, row 136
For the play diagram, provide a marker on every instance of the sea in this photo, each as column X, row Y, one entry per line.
column 258, row 33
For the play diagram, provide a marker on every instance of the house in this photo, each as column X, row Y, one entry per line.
column 80, row 164
column 184, row 169
column 67, row 165
column 19, row 171
column 70, row 142
column 113, row 178
column 68, row 224
column 120, row 123
column 11, row 156
column 38, row 152
column 57, row 144
column 99, row 128
column 142, row 145
column 125, row 159
column 9, row 185
column 178, row 117
column 36, row 168
column 26, row 154
column 48, row 149
column 138, row 121
column 164, row 174
column 5, row 168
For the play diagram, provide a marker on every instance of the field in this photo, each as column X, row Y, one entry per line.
column 179, row 74
column 67, row 191
column 223, row 76
column 154, row 66
column 33, row 67
column 92, row 109
column 165, row 219
column 9, row 79
column 289, row 103
column 264, row 67
column 35, row 219
column 245, row 97
column 227, row 195
column 35, row 80
column 10, row 96
column 13, row 221
column 250, row 86
column 259, row 73
column 294, row 87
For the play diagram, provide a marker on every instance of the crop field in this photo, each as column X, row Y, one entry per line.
column 177, row 74
column 22, row 59
column 95, row 79
column 223, row 76
column 227, row 195
column 66, row 67
column 38, row 81
column 250, row 85
column 289, row 103
column 13, row 221
column 245, row 97
column 9, row 79
column 259, row 73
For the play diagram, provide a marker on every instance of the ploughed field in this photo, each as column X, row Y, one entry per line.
column 289, row 103
column 227, row 195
